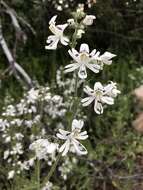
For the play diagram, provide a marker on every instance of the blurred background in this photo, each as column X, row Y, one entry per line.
column 115, row 146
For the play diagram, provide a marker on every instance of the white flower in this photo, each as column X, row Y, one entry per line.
column 28, row 123
column 105, row 58
column 57, row 30
column 7, row 139
column 71, row 138
column 32, row 95
column 88, row 20
column 111, row 89
column 6, row 154
column 21, row 107
column 17, row 122
column 82, row 60
column 3, row 124
column 100, row 95
column 11, row 174
column 42, row 147
column 17, row 149
column 19, row 136
column 10, row 111
column 24, row 165
column 48, row 186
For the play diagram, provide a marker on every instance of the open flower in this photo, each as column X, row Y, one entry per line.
column 71, row 138
column 100, row 95
column 57, row 30
column 32, row 95
column 82, row 60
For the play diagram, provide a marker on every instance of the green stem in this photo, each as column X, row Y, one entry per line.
column 76, row 83
column 78, row 102
column 47, row 179
column 38, row 174
column 74, row 37
column 73, row 104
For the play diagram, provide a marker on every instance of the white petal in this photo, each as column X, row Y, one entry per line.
column 83, row 133
column 56, row 31
column 80, row 149
column 96, row 56
column 84, row 48
column 88, row 20
column 74, row 54
column 82, row 137
column 71, row 67
column 108, row 88
column 53, row 42
column 51, row 38
column 62, row 27
column 108, row 55
column 82, row 72
column 74, row 124
column 93, row 67
column 88, row 90
column 98, row 86
column 64, row 40
column 87, row 101
column 115, row 92
column 53, row 20
column 107, row 100
column 111, row 90
column 61, row 149
column 98, row 107
column 77, row 124
column 63, row 132
column 81, row 123
column 65, row 148
column 93, row 53
column 106, row 58
column 63, row 137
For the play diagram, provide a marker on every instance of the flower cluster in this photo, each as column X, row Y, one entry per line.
column 42, row 147
column 82, row 60
column 23, row 131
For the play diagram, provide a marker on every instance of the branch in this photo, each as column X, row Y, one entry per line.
column 12, row 62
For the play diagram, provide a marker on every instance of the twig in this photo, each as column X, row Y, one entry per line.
column 15, row 17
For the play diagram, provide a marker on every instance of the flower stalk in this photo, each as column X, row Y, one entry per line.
column 52, row 170
column 38, row 174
